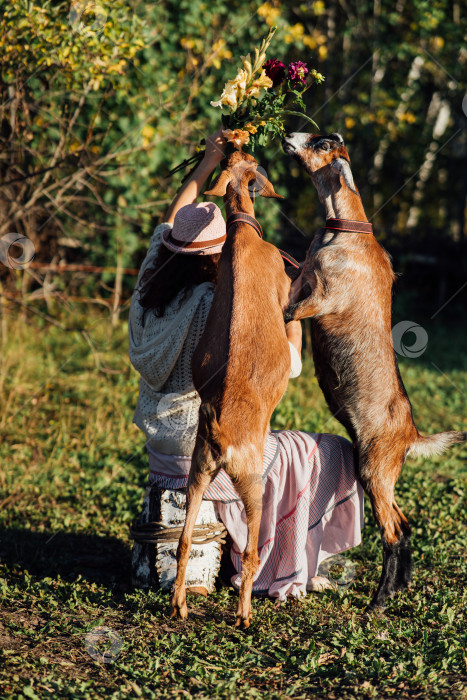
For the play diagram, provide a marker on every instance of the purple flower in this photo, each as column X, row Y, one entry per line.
column 275, row 70
column 297, row 72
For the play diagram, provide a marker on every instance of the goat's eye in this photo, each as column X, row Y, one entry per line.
column 324, row 146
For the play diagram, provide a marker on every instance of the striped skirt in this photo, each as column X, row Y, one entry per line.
column 312, row 507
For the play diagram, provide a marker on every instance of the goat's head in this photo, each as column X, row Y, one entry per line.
column 241, row 174
column 325, row 158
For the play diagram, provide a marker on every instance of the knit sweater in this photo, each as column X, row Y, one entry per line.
column 161, row 350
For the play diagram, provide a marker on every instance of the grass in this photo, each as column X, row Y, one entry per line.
column 73, row 473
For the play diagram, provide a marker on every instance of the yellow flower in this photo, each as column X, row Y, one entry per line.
column 234, row 91
column 247, row 64
column 239, row 137
column 349, row 123
column 240, row 79
column 263, row 81
column 251, row 128
column 253, row 92
column 245, row 85
column 228, row 97
column 258, row 84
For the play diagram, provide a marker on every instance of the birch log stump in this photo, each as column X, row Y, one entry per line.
column 154, row 565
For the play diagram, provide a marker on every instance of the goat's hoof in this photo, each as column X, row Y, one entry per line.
column 180, row 611
column 289, row 313
column 179, row 607
column 375, row 606
column 243, row 622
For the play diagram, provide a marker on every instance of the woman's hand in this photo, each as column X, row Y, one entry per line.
column 215, row 149
column 293, row 330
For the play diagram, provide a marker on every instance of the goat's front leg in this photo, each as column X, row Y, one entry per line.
column 307, row 308
column 305, row 297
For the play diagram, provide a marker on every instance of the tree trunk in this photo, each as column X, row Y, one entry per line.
column 439, row 129
column 155, row 565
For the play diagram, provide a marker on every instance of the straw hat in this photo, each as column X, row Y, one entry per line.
column 198, row 229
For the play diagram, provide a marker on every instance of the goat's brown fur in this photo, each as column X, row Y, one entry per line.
column 240, row 369
column 345, row 287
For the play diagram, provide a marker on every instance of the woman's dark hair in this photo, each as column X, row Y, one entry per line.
column 170, row 274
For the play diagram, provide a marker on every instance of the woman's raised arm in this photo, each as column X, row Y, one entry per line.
column 215, row 147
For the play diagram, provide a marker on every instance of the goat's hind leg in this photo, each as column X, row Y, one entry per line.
column 378, row 477
column 250, row 490
column 202, row 472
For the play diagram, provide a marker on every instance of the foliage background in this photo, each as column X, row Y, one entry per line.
column 101, row 99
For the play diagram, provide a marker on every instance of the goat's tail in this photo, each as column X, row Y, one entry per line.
column 426, row 446
column 216, row 440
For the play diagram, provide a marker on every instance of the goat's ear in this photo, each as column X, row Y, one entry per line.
column 342, row 166
column 265, row 188
column 220, row 186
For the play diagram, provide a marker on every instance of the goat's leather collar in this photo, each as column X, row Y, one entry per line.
column 349, row 225
column 246, row 219
column 240, row 216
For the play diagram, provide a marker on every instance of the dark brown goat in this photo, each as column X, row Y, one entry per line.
column 240, row 369
column 345, row 288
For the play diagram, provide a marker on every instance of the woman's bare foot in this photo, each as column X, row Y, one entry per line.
column 319, row 583
column 197, row 590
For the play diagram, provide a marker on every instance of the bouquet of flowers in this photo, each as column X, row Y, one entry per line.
column 256, row 102
column 261, row 95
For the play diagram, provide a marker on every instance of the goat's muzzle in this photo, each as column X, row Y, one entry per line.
column 288, row 147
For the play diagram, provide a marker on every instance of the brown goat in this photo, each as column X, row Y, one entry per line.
column 345, row 288
column 240, row 369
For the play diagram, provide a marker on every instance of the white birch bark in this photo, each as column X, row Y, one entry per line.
column 412, row 79
column 443, row 116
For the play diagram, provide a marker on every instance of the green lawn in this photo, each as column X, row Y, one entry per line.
column 72, row 477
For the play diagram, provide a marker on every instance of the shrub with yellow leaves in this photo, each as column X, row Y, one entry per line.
column 269, row 13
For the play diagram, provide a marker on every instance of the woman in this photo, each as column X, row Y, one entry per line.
column 312, row 504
